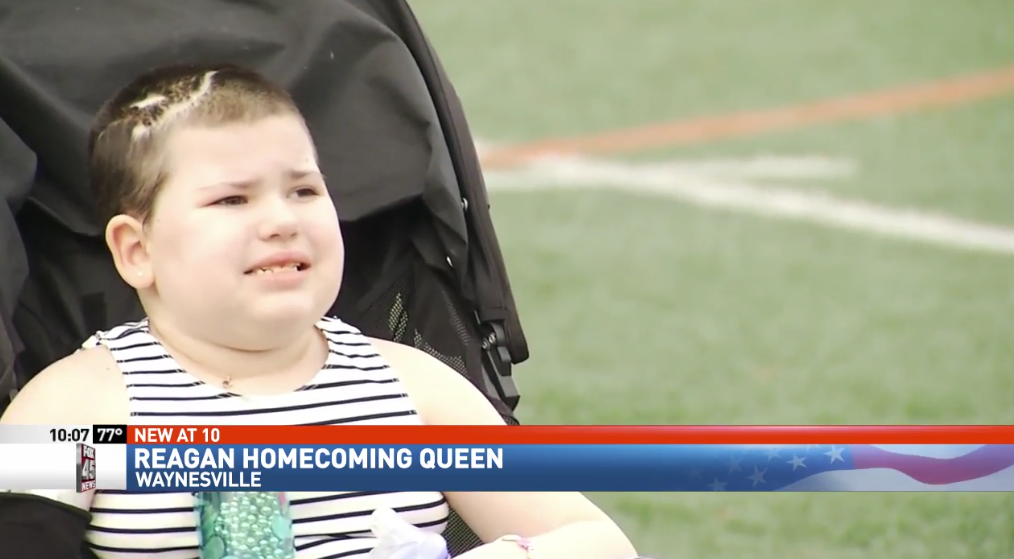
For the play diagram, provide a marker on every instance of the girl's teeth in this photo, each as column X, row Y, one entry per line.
column 274, row 269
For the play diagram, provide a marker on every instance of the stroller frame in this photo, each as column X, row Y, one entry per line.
column 454, row 244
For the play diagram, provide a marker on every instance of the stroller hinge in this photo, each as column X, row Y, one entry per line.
column 497, row 363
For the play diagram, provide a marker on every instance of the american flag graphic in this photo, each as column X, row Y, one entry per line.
column 857, row 468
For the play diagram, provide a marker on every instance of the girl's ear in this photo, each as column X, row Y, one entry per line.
column 127, row 242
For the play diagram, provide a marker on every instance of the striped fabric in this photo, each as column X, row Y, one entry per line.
column 355, row 386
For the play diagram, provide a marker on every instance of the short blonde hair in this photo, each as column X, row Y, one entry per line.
column 126, row 147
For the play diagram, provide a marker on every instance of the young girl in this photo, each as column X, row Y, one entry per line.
column 218, row 216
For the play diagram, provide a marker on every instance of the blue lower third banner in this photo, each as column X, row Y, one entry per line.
column 570, row 468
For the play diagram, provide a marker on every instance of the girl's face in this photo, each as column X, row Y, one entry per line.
column 244, row 240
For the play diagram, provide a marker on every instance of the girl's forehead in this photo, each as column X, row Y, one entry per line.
column 241, row 152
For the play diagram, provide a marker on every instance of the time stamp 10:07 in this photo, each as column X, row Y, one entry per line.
column 107, row 434
column 86, row 434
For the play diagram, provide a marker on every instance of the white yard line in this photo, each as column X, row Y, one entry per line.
column 728, row 185
column 767, row 167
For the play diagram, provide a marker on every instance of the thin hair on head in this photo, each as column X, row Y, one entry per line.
column 127, row 144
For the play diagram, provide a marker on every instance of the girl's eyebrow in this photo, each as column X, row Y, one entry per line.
column 297, row 174
column 241, row 184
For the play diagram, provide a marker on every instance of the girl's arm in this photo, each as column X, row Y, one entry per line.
column 81, row 389
column 557, row 525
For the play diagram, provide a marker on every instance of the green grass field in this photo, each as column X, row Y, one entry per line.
column 647, row 309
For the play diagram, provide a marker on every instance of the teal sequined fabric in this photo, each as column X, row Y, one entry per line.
column 244, row 525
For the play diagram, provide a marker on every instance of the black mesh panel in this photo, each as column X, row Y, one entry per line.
column 389, row 292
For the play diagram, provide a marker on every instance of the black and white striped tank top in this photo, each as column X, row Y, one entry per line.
column 356, row 386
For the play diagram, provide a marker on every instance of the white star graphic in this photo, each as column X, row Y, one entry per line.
column 717, row 485
column 772, row 453
column 835, row 453
column 796, row 462
column 734, row 465
column 758, row 476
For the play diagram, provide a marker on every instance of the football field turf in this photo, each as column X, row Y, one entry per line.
column 778, row 211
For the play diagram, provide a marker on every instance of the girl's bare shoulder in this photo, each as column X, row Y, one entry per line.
column 83, row 388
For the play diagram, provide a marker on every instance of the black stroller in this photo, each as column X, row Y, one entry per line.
column 424, row 267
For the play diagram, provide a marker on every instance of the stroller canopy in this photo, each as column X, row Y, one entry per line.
column 356, row 80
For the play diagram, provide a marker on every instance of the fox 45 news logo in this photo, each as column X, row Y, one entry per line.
column 85, row 468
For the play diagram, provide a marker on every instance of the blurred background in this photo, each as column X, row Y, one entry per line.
column 727, row 246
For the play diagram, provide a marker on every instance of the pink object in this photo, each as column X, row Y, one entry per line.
column 524, row 543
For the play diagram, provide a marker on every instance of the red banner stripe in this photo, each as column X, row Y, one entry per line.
column 501, row 435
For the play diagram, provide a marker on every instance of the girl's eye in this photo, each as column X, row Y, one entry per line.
column 307, row 191
column 231, row 201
